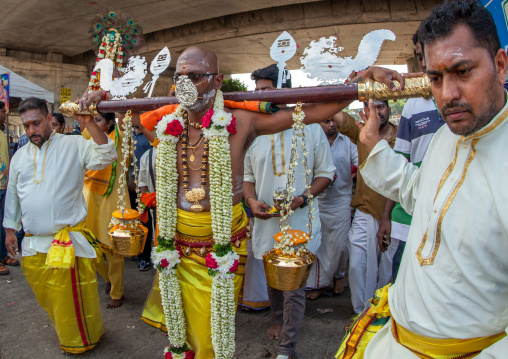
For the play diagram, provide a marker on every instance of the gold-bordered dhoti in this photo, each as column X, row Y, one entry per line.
column 194, row 237
column 70, row 298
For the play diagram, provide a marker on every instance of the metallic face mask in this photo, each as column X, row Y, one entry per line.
column 186, row 92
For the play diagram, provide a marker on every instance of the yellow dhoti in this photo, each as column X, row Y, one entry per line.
column 372, row 321
column 194, row 237
column 70, row 298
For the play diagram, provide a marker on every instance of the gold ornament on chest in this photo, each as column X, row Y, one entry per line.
column 194, row 196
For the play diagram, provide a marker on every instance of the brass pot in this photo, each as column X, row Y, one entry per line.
column 286, row 273
column 127, row 236
column 128, row 242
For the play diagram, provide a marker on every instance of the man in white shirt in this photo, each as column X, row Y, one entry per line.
column 335, row 215
column 147, row 184
column 45, row 195
column 266, row 163
column 449, row 299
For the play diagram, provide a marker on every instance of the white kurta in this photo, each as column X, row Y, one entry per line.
column 266, row 163
column 453, row 279
column 46, row 207
column 335, row 215
column 145, row 179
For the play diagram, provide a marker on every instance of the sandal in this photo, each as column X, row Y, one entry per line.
column 3, row 270
column 10, row 261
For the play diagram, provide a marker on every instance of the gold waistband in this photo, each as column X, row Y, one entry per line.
column 202, row 246
column 430, row 348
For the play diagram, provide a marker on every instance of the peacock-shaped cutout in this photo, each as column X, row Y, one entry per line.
column 320, row 60
column 116, row 38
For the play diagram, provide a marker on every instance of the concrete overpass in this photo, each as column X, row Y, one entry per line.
column 47, row 41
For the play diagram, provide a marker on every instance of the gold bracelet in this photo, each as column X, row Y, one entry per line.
column 247, row 200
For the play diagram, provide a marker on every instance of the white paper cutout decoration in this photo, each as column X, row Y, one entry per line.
column 321, row 62
column 282, row 49
column 133, row 75
column 158, row 65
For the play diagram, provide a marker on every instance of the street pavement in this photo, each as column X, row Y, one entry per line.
column 27, row 332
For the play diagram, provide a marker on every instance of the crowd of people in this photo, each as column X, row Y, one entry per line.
column 425, row 250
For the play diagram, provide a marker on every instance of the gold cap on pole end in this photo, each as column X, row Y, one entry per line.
column 414, row 87
column 67, row 108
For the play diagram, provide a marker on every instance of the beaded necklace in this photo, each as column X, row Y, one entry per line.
column 196, row 194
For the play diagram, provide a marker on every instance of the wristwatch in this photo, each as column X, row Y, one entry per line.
column 305, row 201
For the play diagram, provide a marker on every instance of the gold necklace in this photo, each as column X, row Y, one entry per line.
column 388, row 133
column 196, row 194
column 43, row 162
column 194, row 149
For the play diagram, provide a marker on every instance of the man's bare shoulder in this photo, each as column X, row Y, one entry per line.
column 240, row 113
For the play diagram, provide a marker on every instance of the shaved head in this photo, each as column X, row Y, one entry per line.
column 201, row 66
column 198, row 55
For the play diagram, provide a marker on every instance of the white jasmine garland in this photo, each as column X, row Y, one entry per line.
column 286, row 242
column 221, row 207
column 171, row 297
column 223, row 308
column 167, row 188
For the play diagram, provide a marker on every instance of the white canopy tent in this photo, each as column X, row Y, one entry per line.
column 20, row 87
column 23, row 88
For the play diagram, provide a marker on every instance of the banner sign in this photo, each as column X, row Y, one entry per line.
column 499, row 11
column 65, row 94
column 4, row 90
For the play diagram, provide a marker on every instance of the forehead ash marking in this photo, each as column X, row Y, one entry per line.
column 457, row 52
column 31, row 115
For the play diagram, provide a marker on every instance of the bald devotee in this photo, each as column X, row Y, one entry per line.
column 44, row 195
column 197, row 73
column 449, row 300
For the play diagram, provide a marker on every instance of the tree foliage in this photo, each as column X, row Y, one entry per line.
column 232, row 85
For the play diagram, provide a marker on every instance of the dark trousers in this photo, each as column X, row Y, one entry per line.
column 147, row 250
column 288, row 308
column 397, row 257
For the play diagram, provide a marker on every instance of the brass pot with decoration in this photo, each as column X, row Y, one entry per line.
column 288, row 272
column 127, row 234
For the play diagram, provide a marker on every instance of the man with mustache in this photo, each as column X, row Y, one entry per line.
column 365, row 273
column 449, row 300
column 45, row 195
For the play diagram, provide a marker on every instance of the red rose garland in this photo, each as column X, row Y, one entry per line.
column 174, row 128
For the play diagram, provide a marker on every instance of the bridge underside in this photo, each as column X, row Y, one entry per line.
column 48, row 43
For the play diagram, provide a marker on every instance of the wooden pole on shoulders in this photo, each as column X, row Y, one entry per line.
column 363, row 91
